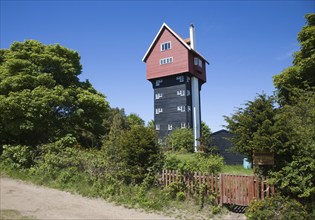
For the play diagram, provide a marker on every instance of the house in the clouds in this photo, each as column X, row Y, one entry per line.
column 177, row 72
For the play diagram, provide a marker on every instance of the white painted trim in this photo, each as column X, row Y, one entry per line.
column 164, row 25
column 196, row 110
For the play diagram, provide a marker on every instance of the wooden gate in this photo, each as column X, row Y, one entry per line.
column 241, row 190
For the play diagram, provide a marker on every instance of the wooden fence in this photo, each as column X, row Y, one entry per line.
column 228, row 189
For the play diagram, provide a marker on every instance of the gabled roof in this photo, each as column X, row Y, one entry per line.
column 184, row 42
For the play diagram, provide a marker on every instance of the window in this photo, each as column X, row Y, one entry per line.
column 181, row 108
column 170, row 127
column 158, row 82
column 158, row 95
column 181, row 92
column 198, row 62
column 157, row 127
column 180, row 78
column 183, row 125
column 166, row 46
column 188, row 92
column 188, row 108
column 166, row 60
column 158, row 111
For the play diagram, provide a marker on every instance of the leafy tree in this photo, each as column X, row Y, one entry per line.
column 205, row 137
column 301, row 74
column 42, row 99
column 252, row 126
column 151, row 124
column 136, row 154
column 181, row 139
column 135, row 120
column 295, row 174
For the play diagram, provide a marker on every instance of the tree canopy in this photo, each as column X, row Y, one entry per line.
column 42, row 98
column 301, row 73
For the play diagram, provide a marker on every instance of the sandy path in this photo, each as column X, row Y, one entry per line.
column 46, row 203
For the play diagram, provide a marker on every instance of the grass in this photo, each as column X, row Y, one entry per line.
column 237, row 169
column 13, row 214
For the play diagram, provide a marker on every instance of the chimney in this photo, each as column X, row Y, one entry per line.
column 192, row 36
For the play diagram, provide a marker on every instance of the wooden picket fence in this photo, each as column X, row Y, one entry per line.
column 228, row 189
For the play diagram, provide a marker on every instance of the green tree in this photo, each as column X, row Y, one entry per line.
column 205, row 137
column 181, row 139
column 252, row 126
column 295, row 173
column 135, row 120
column 136, row 154
column 42, row 99
column 301, row 74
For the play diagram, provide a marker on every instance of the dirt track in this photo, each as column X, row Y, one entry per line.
column 45, row 203
column 50, row 204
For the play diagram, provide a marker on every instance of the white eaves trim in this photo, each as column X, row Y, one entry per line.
column 176, row 35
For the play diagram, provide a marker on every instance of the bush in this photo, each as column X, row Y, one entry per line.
column 197, row 162
column 134, row 154
column 19, row 156
column 276, row 208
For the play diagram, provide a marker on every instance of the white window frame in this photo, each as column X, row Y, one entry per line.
column 158, row 95
column 158, row 110
column 166, row 60
column 166, row 46
column 188, row 108
column 181, row 92
column 158, row 82
column 157, row 127
column 169, row 127
column 180, row 78
column 181, row 108
column 182, row 125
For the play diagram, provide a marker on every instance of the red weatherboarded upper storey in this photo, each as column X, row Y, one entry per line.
column 177, row 58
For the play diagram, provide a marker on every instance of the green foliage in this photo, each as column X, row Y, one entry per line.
column 181, row 140
column 276, row 208
column 134, row 120
column 252, row 126
column 197, row 162
column 134, row 153
column 42, row 99
column 301, row 74
column 205, row 139
column 19, row 156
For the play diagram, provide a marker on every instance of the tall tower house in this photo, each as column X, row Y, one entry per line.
column 177, row 72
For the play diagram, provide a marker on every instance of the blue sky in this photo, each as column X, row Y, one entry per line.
column 246, row 43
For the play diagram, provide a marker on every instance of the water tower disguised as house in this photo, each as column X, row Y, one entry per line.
column 177, row 72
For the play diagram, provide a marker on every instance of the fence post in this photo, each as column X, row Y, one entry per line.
column 221, row 189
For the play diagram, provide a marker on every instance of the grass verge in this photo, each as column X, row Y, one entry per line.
column 13, row 214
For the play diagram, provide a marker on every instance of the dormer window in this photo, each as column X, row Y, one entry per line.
column 165, row 46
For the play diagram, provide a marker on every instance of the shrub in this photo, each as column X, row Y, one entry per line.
column 276, row 208
column 19, row 156
column 197, row 162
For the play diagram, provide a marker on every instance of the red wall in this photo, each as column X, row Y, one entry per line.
column 183, row 59
column 177, row 51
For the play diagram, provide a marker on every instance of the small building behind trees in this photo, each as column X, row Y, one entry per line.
column 221, row 140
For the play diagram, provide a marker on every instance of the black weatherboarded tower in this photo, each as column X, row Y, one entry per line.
column 177, row 72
